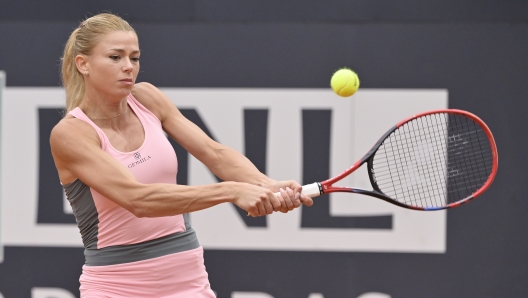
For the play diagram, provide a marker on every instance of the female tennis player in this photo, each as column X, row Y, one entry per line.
column 119, row 172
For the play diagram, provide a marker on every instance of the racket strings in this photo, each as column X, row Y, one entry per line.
column 434, row 160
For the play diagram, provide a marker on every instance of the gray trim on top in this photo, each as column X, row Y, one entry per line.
column 86, row 215
column 112, row 255
column 83, row 205
column 187, row 221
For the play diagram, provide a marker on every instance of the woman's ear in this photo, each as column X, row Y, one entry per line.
column 81, row 61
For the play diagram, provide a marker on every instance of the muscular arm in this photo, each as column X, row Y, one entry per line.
column 225, row 162
column 77, row 154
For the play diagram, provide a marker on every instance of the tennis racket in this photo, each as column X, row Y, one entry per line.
column 434, row 160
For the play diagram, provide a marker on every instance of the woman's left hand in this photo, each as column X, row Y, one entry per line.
column 289, row 194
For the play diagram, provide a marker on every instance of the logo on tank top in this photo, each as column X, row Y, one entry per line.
column 139, row 160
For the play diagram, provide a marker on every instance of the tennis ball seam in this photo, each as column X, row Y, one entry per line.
column 344, row 86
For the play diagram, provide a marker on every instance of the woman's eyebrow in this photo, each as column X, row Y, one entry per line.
column 122, row 50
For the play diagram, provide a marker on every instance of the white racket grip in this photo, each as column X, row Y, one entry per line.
column 312, row 190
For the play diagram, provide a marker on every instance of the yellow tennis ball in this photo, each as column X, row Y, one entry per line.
column 344, row 82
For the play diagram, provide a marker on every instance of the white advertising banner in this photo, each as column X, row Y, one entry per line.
column 357, row 123
column 2, row 87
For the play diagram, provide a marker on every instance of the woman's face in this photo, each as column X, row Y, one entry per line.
column 113, row 64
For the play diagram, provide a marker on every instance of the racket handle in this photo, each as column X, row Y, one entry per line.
column 312, row 190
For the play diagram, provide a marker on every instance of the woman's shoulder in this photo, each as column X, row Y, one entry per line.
column 151, row 98
column 146, row 93
column 144, row 88
column 72, row 129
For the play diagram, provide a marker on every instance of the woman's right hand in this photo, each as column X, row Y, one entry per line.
column 256, row 200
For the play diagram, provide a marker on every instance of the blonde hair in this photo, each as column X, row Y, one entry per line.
column 82, row 40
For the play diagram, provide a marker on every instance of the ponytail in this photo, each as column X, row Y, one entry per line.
column 72, row 79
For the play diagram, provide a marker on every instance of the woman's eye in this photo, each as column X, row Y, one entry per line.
column 135, row 59
column 114, row 57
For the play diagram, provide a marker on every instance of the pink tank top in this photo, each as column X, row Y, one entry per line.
column 154, row 162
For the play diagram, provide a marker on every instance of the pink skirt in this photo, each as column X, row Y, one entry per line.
column 176, row 275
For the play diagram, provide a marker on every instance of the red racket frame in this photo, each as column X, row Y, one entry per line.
column 328, row 187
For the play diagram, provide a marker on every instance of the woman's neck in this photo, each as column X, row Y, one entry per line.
column 97, row 108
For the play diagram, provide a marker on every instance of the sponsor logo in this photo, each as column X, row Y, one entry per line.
column 139, row 160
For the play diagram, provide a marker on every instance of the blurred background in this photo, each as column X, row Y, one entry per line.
column 476, row 50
